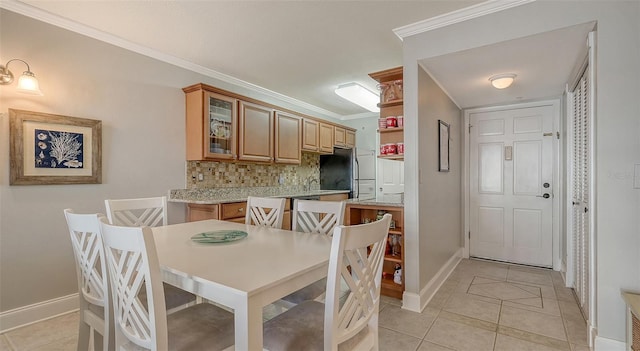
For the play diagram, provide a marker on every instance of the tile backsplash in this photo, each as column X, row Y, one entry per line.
column 217, row 174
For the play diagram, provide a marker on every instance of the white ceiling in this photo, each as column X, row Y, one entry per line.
column 304, row 49
column 542, row 63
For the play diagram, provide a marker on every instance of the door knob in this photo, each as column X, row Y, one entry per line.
column 545, row 195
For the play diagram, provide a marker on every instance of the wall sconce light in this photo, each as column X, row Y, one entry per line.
column 359, row 95
column 502, row 81
column 27, row 83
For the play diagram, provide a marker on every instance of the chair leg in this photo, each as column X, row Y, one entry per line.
column 98, row 342
column 373, row 329
column 84, row 334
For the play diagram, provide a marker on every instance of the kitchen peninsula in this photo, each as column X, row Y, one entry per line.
column 230, row 204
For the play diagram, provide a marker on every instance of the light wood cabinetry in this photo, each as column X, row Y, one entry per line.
column 310, row 135
column 394, row 254
column 200, row 212
column 221, row 125
column 350, row 139
column 211, row 125
column 256, row 132
column 288, row 137
column 339, row 137
column 326, row 138
column 391, row 104
column 334, row 197
column 233, row 211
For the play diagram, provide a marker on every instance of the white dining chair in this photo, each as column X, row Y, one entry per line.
column 312, row 216
column 351, row 321
column 318, row 217
column 132, row 262
column 265, row 211
column 151, row 212
column 95, row 308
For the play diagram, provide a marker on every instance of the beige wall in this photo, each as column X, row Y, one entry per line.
column 440, row 193
column 141, row 105
column 617, row 124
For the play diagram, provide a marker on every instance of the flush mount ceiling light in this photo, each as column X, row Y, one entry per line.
column 502, row 81
column 27, row 83
column 359, row 95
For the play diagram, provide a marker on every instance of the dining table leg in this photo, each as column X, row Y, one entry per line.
column 248, row 326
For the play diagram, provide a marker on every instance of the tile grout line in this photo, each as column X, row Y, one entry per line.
column 498, row 324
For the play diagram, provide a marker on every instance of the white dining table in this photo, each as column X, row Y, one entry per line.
column 244, row 275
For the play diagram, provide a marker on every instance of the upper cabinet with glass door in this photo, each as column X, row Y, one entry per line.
column 211, row 120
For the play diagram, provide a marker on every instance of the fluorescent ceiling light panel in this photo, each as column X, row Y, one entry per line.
column 359, row 95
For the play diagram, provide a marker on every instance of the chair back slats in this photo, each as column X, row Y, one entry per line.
column 357, row 256
column 265, row 211
column 132, row 263
column 84, row 230
column 311, row 216
column 93, row 281
column 149, row 212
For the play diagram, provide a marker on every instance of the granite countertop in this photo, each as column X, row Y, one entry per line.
column 374, row 202
column 227, row 195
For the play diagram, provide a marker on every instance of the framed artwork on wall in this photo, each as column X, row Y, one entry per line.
column 443, row 146
column 53, row 149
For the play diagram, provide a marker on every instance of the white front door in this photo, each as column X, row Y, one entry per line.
column 511, row 189
column 390, row 180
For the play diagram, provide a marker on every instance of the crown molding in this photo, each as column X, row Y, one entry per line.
column 50, row 18
column 464, row 14
column 361, row 115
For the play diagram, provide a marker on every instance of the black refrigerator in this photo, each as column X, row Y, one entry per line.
column 336, row 171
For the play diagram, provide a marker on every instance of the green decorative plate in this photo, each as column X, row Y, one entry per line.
column 219, row 236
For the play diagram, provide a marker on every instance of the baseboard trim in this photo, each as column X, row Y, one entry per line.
column 417, row 303
column 37, row 312
column 604, row 344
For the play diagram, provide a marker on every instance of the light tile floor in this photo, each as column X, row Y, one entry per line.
column 482, row 306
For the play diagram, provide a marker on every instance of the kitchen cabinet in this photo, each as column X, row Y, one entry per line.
column 326, row 138
column 231, row 211
column 350, row 139
column 211, row 125
column 392, row 281
column 288, row 138
column 391, row 104
column 339, row 137
column 222, row 125
column 256, row 132
column 310, row 135
column 334, row 197
column 201, row 212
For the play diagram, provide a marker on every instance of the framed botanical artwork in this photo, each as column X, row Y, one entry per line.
column 53, row 149
column 443, row 146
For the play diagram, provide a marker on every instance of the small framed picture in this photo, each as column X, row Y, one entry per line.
column 53, row 149
column 443, row 146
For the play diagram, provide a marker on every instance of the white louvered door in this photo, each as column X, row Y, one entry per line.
column 580, row 189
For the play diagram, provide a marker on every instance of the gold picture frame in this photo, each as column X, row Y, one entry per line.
column 53, row 149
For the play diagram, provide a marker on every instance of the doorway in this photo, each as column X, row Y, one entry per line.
column 512, row 183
